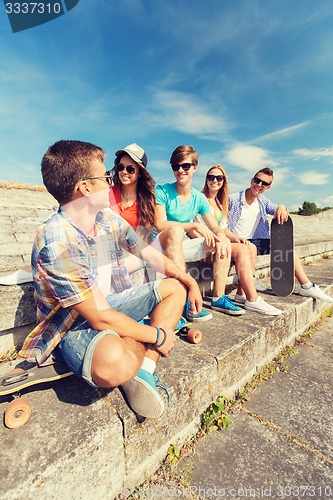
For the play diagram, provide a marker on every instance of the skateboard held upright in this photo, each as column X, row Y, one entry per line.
column 282, row 257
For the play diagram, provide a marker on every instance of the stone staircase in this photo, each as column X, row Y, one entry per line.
column 81, row 442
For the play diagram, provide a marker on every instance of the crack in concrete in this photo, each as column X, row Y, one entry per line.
column 292, row 437
column 305, row 379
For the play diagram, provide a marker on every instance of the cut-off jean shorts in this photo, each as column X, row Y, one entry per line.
column 77, row 346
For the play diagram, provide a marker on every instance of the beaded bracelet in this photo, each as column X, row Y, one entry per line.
column 158, row 330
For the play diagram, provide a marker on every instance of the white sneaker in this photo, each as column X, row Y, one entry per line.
column 16, row 278
column 262, row 307
column 316, row 293
column 240, row 299
column 260, row 287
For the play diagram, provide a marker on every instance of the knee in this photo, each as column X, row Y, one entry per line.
column 174, row 234
column 179, row 291
column 252, row 250
column 113, row 363
column 173, row 287
column 243, row 254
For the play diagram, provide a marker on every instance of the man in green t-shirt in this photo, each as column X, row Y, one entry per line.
column 184, row 240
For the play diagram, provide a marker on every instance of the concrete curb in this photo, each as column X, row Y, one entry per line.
column 81, row 442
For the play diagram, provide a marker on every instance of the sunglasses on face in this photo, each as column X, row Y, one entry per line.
column 107, row 177
column 129, row 169
column 185, row 166
column 258, row 181
column 211, row 178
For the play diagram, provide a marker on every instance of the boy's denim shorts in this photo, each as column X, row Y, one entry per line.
column 77, row 346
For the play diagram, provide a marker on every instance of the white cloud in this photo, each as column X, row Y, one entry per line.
column 284, row 132
column 315, row 154
column 313, row 178
column 187, row 114
column 249, row 157
column 328, row 200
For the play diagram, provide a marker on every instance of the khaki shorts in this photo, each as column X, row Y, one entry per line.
column 193, row 248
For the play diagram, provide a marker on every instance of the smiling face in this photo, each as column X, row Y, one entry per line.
column 260, row 183
column 184, row 175
column 215, row 180
column 128, row 171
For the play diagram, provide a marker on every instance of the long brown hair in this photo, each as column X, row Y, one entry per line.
column 145, row 195
column 222, row 194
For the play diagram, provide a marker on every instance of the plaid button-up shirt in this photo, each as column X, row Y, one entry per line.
column 64, row 263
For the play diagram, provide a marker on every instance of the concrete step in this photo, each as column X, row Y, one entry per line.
column 23, row 207
column 18, row 310
column 86, row 443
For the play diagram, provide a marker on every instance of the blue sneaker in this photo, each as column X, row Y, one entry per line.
column 142, row 394
column 181, row 323
column 226, row 305
column 202, row 316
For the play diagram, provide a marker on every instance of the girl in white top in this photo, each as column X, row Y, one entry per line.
column 243, row 253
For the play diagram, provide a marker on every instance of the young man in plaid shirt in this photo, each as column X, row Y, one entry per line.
column 88, row 312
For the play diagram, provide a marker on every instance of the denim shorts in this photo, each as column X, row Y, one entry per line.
column 77, row 346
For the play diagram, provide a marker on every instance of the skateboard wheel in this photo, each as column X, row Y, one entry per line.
column 17, row 413
column 194, row 336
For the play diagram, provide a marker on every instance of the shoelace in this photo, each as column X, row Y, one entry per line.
column 231, row 303
column 160, row 384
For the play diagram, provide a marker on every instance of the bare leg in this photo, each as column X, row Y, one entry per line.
column 221, row 270
column 116, row 360
column 142, row 392
column 171, row 240
column 167, row 312
column 244, row 268
column 299, row 272
column 253, row 255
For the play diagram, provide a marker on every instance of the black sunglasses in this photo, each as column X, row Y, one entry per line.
column 258, row 181
column 129, row 169
column 107, row 177
column 185, row 166
column 211, row 178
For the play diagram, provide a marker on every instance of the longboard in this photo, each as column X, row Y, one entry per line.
column 22, row 376
column 282, row 258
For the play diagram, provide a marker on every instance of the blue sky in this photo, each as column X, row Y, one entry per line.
column 248, row 83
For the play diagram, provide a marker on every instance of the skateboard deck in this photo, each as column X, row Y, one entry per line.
column 18, row 379
column 22, row 376
column 282, row 258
